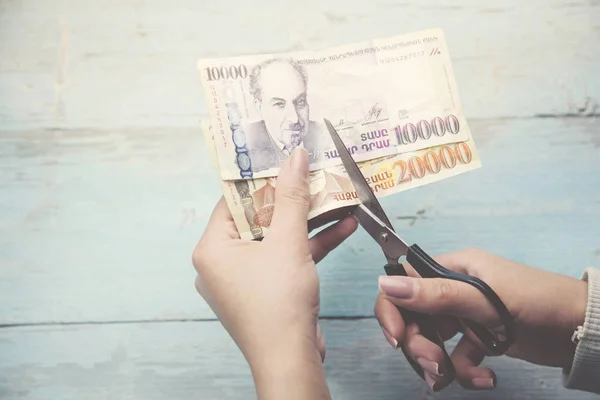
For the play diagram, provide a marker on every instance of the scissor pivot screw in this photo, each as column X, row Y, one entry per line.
column 384, row 237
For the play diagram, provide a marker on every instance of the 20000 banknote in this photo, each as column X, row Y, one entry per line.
column 252, row 201
column 384, row 96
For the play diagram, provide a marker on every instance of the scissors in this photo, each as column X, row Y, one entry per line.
column 372, row 218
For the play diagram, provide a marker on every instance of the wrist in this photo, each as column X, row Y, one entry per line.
column 578, row 307
column 290, row 368
column 583, row 371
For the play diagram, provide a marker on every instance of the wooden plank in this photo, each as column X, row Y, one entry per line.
column 100, row 225
column 131, row 63
column 87, row 214
column 199, row 361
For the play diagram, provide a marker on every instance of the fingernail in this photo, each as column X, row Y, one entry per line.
column 484, row 383
column 396, row 286
column 430, row 366
column 390, row 338
column 433, row 385
column 300, row 162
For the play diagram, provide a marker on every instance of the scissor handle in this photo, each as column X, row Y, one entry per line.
column 426, row 326
column 426, row 267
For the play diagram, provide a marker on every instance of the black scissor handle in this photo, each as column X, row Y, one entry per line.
column 426, row 326
column 426, row 267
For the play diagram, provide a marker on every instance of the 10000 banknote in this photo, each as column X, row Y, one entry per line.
column 384, row 96
column 252, row 201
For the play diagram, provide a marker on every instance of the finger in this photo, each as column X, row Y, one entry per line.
column 469, row 262
column 220, row 227
column 292, row 200
column 328, row 239
column 429, row 356
column 466, row 358
column 390, row 320
column 438, row 296
column 220, row 224
column 447, row 326
column 452, row 261
column 321, row 342
column 328, row 217
column 392, row 323
column 201, row 288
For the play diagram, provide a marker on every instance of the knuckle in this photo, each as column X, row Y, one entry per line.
column 199, row 258
column 446, row 292
column 198, row 284
column 436, row 353
column 412, row 346
column 412, row 342
column 296, row 195
column 412, row 329
column 471, row 252
column 377, row 307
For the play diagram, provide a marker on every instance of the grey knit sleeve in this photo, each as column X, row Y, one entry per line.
column 585, row 370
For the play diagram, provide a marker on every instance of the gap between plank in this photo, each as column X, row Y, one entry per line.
column 156, row 321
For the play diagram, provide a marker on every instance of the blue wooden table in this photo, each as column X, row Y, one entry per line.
column 106, row 186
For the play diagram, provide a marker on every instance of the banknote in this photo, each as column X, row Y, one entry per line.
column 384, row 96
column 252, row 201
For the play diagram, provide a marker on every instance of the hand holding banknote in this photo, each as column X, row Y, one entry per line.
column 266, row 294
column 394, row 102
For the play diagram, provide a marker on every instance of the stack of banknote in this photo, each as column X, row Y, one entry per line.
column 394, row 102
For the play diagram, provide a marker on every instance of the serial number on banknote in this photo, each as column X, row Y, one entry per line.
column 404, row 57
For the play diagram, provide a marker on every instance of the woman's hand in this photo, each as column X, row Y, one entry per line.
column 266, row 294
column 547, row 308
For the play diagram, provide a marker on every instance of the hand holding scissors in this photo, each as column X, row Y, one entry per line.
column 373, row 219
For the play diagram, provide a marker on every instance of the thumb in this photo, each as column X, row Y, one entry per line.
column 438, row 296
column 290, row 216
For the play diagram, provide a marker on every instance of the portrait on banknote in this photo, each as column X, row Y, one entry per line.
column 279, row 89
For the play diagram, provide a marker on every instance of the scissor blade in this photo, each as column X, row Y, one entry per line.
column 392, row 245
column 365, row 194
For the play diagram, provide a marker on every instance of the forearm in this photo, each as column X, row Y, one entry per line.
column 292, row 370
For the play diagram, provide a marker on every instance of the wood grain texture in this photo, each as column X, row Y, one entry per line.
column 100, row 226
column 199, row 361
column 106, row 186
column 131, row 63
